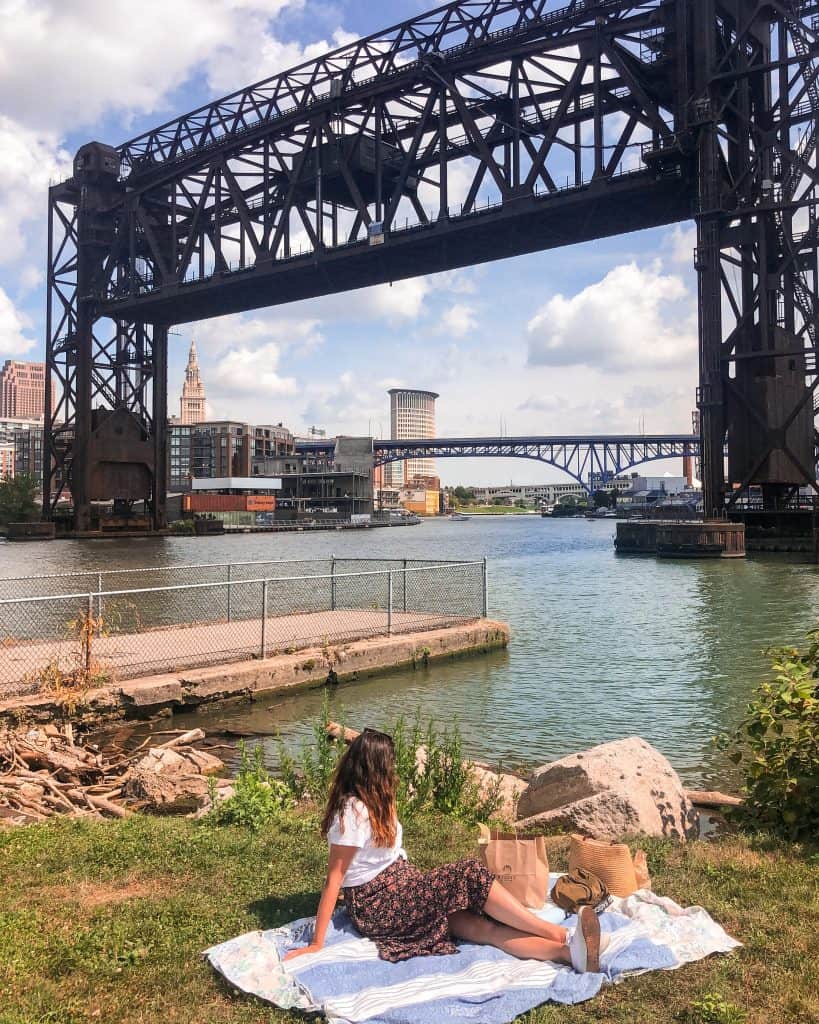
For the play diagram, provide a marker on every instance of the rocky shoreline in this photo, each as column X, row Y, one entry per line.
column 620, row 788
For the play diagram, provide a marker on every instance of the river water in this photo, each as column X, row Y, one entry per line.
column 602, row 646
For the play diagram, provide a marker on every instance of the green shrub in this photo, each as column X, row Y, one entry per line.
column 182, row 526
column 257, row 798
column 430, row 766
column 777, row 745
column 18, row 499
column 713, row 1009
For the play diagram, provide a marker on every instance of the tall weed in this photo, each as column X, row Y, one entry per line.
column 432, row 771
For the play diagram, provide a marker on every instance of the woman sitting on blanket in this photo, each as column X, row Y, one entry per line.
column 407, row 912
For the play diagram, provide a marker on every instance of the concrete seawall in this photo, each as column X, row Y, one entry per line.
column 151, row 696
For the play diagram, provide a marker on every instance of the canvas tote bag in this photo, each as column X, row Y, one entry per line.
column 520, row 865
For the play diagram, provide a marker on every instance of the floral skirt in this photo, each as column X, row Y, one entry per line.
column 404, row 910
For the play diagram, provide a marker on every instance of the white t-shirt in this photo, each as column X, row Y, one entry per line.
column 352, row 828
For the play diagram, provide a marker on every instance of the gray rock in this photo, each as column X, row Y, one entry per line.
column 509, row 789
column 165, row 778
column 622, row 788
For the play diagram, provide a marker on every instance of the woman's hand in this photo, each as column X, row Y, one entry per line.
column 314, row 947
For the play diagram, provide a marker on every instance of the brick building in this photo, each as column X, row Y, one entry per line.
column 22, row 390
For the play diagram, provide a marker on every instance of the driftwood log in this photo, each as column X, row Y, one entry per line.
column 712, row 798
column 46, row 771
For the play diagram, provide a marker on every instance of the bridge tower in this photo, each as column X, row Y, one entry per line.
column 545, row 105
column 757, row 274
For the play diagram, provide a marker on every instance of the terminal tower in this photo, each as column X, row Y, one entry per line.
column 192, row 403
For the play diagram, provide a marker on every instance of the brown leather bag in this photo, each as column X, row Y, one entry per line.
column 580, row 888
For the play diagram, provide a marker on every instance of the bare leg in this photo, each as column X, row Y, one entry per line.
column 503, row 906
column 522, row 945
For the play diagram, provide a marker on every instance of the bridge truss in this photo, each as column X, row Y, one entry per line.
column 480, row 130
column 579, row 457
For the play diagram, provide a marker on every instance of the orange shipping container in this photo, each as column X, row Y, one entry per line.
column 202, row 502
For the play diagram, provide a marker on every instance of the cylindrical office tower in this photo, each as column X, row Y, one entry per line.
column 412, row 417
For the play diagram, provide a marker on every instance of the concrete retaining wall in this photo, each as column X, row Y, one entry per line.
column 161, row 695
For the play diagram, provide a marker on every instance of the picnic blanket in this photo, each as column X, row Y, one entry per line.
column 349, row 984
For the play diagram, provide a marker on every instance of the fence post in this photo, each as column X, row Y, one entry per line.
column 485, row 591
column 332, row 583
column 89, row 633
column 264, row 620
column 230, row 593
column 389, row 603
column 99, row 595
column 405, row 585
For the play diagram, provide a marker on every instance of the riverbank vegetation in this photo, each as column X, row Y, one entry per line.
column 777, row 744
column 106, row 921
column 18, row 499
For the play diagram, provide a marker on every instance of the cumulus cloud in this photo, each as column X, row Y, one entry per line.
column 14, row 327
column 29, row 161
column 458, row 320
column 679, row 245
column 249, row 331
column 250, row 372
column 401, row 300
column 634, row 317
column 80, row 60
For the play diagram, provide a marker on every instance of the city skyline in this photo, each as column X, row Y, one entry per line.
column 591, row 339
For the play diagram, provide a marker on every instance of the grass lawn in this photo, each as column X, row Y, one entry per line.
column 105, row 921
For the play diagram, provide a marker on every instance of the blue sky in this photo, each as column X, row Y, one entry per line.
column 598, row 338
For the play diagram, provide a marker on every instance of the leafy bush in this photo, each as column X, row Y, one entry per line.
column 258, row 799
column 183, row 527
column 713, row 1009
column 777, row 744
column 18, row 499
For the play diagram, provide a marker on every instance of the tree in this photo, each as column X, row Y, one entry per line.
column 520, row 503
column 18, row 500
column 463, row 495
column 601, row 499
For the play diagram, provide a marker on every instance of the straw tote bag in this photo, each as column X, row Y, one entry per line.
column 520, row 865
column 611, row 862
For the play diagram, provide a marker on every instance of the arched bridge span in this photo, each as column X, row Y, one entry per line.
column 577, row 456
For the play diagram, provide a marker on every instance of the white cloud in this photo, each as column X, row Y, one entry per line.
column 635, row 317
column 680, row 244
column 458, row 320
column 74, row 62
column 29, row 161
column 250, row 372
column 249, row 331
column 230, row 67
column 14, row 325
column 401, row 300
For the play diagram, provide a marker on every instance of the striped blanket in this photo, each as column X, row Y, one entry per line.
column 349, row 984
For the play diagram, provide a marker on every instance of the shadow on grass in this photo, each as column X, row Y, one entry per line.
column 275, row 911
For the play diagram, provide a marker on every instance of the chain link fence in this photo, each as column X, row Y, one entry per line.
column 151, row 625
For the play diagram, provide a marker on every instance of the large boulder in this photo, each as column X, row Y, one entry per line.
column 622, row 788
column 164, row 778
column 507, row 787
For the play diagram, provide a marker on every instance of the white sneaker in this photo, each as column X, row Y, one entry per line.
column 587, row 942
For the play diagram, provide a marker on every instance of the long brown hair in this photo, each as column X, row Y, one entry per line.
column 366, row 772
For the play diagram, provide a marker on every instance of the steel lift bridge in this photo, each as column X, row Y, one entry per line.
column 481, row 130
